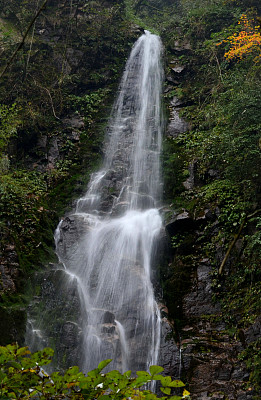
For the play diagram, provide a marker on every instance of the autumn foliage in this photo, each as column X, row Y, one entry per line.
column 245, row 41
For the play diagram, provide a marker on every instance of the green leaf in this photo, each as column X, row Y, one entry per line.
column 73, row 370
column 176, row 383
column 144, row 374
column 15, row 364
column 151, row 396
column 23, row 380
column 23, row 351
column 140, row 381
column 104, row 364
column 166, row 381
column 155, row 369
column 93, row 373
column 2, row 375
column 114, row 374
column 127, row 374
column 165, row 390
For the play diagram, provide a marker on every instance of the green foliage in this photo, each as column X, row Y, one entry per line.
column 27, row 222
column 225, row 99
column 155, row 16
column 130, row 12
column 252, row 357
column 173, row 163
column 224, row 113
column 253, row 246
column 8, row 125
column 177, row 240
column 69, row 63
column 22, row 377
column 223, row 107
column 227, row 196
column 19, row 199
column 244, row 291
column 226, row 130
column 89, row 104
column 204, row 17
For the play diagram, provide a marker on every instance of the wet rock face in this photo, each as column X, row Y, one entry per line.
column 182, row 222
column 254, row 332
column 9, row 270
column 209, row 356
column 169, row 357
column 199, row 301
column 12, row 321
column 12, row 325
column 50, row 150
column 210, row 361
column 177, row 124
column 59, row 319
column 181, row 47
column 189, row 183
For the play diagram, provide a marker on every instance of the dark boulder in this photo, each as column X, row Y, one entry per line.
column 180, row 223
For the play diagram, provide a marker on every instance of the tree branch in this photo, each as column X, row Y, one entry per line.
column 23, row 38
column 232, row 244
column 219, row 68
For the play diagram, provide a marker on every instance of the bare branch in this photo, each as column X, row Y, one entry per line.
column 232, row 244
column 24, row 37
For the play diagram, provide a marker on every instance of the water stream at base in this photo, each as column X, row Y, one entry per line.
column 105, row 247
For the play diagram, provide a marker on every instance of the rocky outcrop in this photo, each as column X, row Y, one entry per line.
column 60, row 293
column 177, row 124
column 180, row 47
column 180, row 223
column 9, row 270
column 253, row 333
column 209, row 351
column 50, row 150
column 176, row 73
column 170, row 357
column 209, row 354
column 12, row 319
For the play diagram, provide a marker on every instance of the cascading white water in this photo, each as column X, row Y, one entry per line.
column 118, row 224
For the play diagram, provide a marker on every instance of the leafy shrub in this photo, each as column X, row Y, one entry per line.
column 89, row 104
column 20, row 192
column 8, row 124
column 252, row 357
column 22, row 377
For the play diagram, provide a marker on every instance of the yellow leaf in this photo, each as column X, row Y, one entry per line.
column 185, row 393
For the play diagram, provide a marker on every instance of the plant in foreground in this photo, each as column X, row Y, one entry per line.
column 22, row 377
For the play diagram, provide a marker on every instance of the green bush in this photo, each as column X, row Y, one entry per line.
column 22, row 377
column 8, row 124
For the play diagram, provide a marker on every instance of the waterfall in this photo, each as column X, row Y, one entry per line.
column 105, row 247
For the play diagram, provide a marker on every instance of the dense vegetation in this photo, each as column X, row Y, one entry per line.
column 220, row 93
column 54, row 102
column 223, row 100
column 22, row 376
